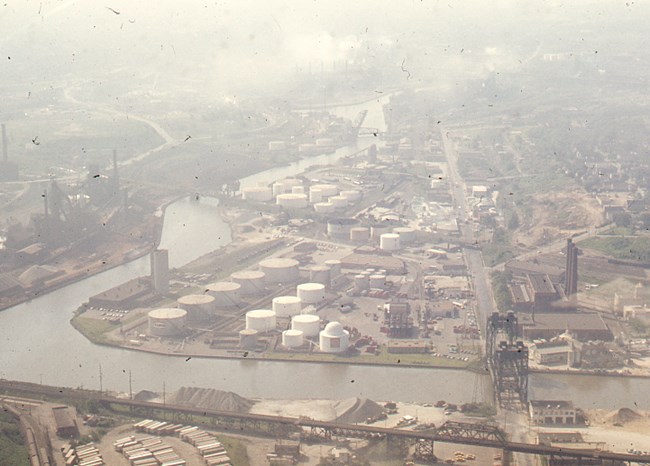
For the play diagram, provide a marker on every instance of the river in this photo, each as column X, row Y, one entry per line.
column 38, row 344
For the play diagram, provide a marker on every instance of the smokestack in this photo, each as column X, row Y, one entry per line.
column 116, row 174
column 45, row 210
column 5, row 156
column 571, row 273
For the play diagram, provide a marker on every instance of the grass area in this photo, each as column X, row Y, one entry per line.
column 619, row 231
column 236, row 450
column 93, row 329
column 618, row 247
column 499, row 250
column 12, row 449
column 382, row 357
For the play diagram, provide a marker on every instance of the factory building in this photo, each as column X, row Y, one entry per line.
column 334, row 338
column 65, row 423
column 583, row 325
column 552, row 412
column 535, row 292
column 167, row 322
column 124, row 296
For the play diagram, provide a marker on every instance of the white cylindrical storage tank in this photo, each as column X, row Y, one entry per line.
column 167, row 322
column 257, row 193
column 324, row 207
column 292, row 201
column 198, row 306
column 225, row 294
column 297, row 190
column 252, row 282
column 292, row 338
column 339, row 202
column 248, row 338
column 261, row 320
column 280, row 270
column 389, row 242
column 352, row 195
column 359, row 234
column 406, row 234
column 334, row 338
column 311, row 293
column 334, row 266
column 308, row 324
column 319, row 274
column 315, row 195
column 275, row 146
column 340, row 227
column 361, row 282
column 279, row 188
column 327, row 189
column 377, row 281
column 378, row 229
column 287, row 305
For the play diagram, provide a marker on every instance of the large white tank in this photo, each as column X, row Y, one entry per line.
column 287, row 305
column 308, row 324
column 377, row 281
column 198, row 306
column 280, row 188
column 262, row 320
column 275, row 146
column 326, row 189
column 351, row 195
column 311, row 293
column 406, row 234
column 292, row 201
column 340, row 227
column 167, row 322
column 389, row 242
column 315, row 195
column 280, row 270
column 324, row 207
column 359, row 234
column 339, row 202
column 320, row 274
column 361, row 282
column 252, row 282
column 257, row 193
column 334, row 266
column 225, row 294
column 248, row 338
column 334, row 338
column 292, row 338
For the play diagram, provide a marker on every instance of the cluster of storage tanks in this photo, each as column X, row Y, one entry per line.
column 291, row 194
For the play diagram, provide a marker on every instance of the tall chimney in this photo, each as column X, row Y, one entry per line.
column 116, row 174
column 5, row 156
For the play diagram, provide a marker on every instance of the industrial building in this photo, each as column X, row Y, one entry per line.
column 64, row 419
column 556, row 412
column 583, row 325
column 127, row 295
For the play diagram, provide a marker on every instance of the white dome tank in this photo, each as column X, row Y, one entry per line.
column 257, row 193
column 198, row 306
column 308, row 324
column 339, row 202
column 297, row 190
column 167, row 322
column 311, row 293
column 324, row 207
column 280, row 270
column 361, row 282
column 262, row 320
column 287, row 305
column 225, row 294
column 389, row 242
column 251, row 282
column 248, row 338
column 334, row 266
column 406, row 234
column 292, row 338
column 326, row 189
column 315, row 195
column 334, row 338
column 280, row 188
column 359, row 234
column 320, row 274
column 377, row 281
column 292, row 201
column 351, row 195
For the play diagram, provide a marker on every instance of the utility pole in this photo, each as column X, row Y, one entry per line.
column 130, row 387
column 164, row 392
column 101, row 381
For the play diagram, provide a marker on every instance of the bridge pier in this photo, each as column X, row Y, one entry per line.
column 424, row 451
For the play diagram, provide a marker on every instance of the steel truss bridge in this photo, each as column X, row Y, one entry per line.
column 481, row 435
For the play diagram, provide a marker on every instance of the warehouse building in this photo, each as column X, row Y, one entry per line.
column 584, row 326
column 552, row 412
